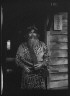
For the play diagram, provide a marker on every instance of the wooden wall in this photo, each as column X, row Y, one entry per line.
column 57, row 42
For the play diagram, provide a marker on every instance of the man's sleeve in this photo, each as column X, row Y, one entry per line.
column 46, row 54
column 20, row 53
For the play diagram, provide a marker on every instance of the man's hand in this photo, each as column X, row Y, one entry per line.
column 27, row 68
column 38, row 65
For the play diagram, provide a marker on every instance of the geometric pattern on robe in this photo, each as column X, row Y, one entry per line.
column 41, row 52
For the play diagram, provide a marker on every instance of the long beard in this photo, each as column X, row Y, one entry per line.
column 33, row 43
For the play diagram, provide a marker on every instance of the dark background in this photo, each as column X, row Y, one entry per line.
column 17, row 16
column 20, row 14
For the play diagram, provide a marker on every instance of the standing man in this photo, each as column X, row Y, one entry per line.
column 32, row 57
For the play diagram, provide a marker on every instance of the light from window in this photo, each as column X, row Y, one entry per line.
column 8, row 45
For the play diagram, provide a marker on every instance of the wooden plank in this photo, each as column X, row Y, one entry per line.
column 56, row 72
column 53, row 70
column 58, row 53
column 59, row 61
column 58, row 46
column 58, row 68
column 58, row 38
column 58, row 76
column 58, row 84
column 59, row 88
column 58, row 32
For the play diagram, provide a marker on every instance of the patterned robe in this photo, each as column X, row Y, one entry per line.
column 32, row 80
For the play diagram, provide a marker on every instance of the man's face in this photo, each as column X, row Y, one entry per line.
column 32, row 39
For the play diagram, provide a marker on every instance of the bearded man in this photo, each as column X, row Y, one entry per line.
column 32, row 57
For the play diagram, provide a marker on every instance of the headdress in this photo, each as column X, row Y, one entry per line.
column 32, row 31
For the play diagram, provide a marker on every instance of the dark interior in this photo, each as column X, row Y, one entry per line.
column 17, row 16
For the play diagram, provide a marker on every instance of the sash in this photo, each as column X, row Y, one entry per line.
column 32, row 54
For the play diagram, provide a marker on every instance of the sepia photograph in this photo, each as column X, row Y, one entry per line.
column 34, row 46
